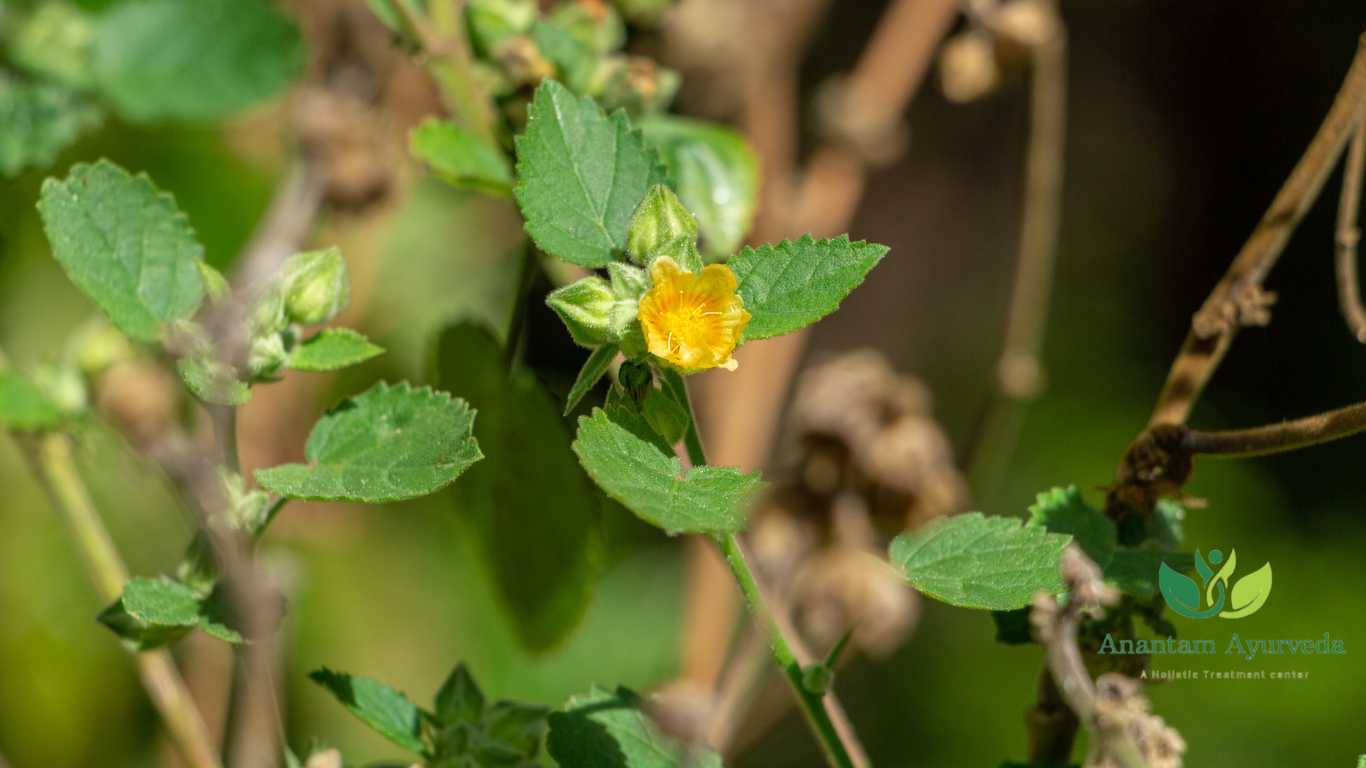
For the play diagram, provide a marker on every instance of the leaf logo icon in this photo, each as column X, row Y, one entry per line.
column 1221, row 595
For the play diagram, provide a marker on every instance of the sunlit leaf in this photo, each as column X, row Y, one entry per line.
column 792, row 284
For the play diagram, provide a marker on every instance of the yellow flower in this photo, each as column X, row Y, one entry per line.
column 692, row 321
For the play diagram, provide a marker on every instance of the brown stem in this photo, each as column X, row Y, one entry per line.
column 1348, row 235
column 1282, row 437
column 1019, row 371
column 1238, row 299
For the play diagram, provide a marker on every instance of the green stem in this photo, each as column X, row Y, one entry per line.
column 56, row 466
column 837, row 754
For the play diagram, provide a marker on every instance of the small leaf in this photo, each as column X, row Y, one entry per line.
column 460, row 157
column 332, row 349
column 23, row 407
column 384, row 709
column 1062, row 510
column 38, row 121
column 980, row 562
column 389, row 444
column 602, row 729
column 716, row 174
column 198, row 60
column 593, row 369
column 126, row 245
column 1135, row 571
column 154, row 612
column 794, row 283
column 653, row 485
column 459, row 699
column 581, row 175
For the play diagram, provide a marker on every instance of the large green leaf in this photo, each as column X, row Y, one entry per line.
column 193, row 59
column 331, row 349
column 581, row 175
column 388, row 444
column 539, row 537
column 37, row 121
column 715, row 174
column 975, row 561
column 602, row 729
column 126, row 244
column 792, row 284
column 392, row 714
column 632, row 469
column 460, row 157
column 23, row 406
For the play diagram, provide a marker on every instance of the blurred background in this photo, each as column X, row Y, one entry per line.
column 1183, row 120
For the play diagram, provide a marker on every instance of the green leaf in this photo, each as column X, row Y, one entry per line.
column 1062, row 510
column 388, row 444
column 581, row 175
column 460, row 157
column 794, row 283
column 459, row 699
column 38, row 121
column 126, row 245
column 593, row 369
column 715, row 173
column 653, row 485
column 975, row 561
column 1135, row 571
column 541, row 540
column 384, row 709
column 193, row 59
column 331, row 349
column 24, row 407
column 153, row 612
column 602, row 729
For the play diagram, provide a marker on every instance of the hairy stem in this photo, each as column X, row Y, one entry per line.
column 56, row 467
column 1238, row 298
column 1279, row 438
column 1348, row 235
column 813, row 706
column 443, row 38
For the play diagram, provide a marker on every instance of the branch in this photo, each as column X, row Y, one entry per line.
column 1238, row 299
column 55, row 466
column 1019, row 370
column 1282, row 437
column 838, row 744
column 446, row 44
column 1348, row 235
column 1056, row 627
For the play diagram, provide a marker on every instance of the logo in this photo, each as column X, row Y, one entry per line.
column 1222, row 596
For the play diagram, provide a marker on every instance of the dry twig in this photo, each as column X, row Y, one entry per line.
column 1348, row 235
column 1239, row 299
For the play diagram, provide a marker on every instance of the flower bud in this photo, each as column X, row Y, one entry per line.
column 635, row 377
column 315, row 285
column 586, row 307
column 628, row 282
column 662, row 226
column 266, row 357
